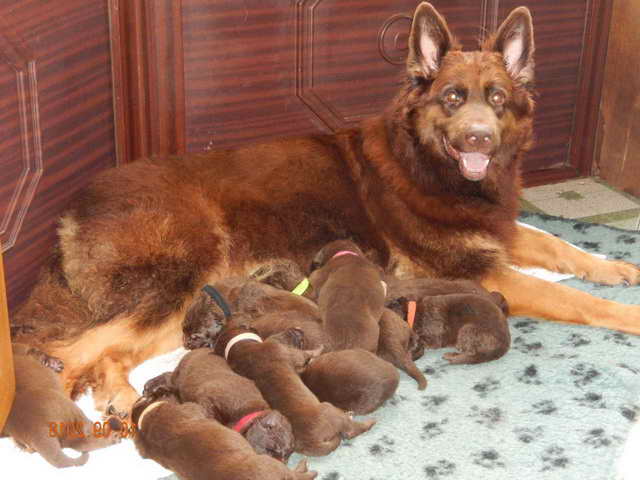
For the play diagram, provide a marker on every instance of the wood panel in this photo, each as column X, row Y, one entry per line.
column 257, row 69
column 619, row 157
column 57, row 122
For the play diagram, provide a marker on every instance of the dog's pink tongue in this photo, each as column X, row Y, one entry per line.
column 474, row 165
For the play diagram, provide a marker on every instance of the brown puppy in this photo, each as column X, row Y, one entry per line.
column 235, row 401
column 201, row 448
column 474, row 324
column 351, row 295
column 42, row 419
column 353, row 380
column 318, row 427
column 286, row 275
column 397, row 344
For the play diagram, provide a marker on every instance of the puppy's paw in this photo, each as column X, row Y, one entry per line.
column 112, row 412
column 53, row 363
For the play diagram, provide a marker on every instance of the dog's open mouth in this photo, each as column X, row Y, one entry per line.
column 473, row 165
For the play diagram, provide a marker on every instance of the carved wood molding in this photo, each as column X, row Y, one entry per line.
column 17, row 57
column 148, row 77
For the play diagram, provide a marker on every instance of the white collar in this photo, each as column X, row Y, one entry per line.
column 150, row 407
column 240, row 338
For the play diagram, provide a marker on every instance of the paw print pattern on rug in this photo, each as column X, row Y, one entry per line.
column 441, row 469
column 545, row 407
column 489, row 417
column 618, row 338
column 599, row 438
column 529, row 435
column 489, row 458
column 530, row 376
column 383, row 447
column 432, row 430
column 584, row 374
column 486, row 386
column 576, row 340
column 553, row 458
column 591, row 400
column 432, row 402
column 526, row 325
column 520, row 344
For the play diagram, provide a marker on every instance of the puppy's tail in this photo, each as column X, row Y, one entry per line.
column 49, row 448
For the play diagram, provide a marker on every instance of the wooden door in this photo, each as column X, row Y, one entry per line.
column 56, row 117
column 246, row 71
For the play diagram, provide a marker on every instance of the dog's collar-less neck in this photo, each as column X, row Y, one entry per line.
column 151, row 406
column 218, row 298
column 344, row 252
column 244, row 423
column 243, row 337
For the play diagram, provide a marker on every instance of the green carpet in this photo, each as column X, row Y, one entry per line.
column 560, row 405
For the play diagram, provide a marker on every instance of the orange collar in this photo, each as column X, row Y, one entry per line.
column 411, row 313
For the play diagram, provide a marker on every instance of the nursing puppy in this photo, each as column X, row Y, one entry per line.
column 201, row 448
column 354, row 380
column 206, row 379
column 476, row 325
column 318, row 427
column 351, row 297
column 44, row 420
column 286, row 275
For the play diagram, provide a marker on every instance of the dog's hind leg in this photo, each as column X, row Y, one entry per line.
column 533, row 297
column 533, row 248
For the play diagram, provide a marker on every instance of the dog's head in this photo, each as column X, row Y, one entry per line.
column 271, row 434
column 471, row 111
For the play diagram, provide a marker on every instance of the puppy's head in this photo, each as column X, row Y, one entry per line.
column 202, row 323
column 284, row 274
column 235, row 328
column 271, row 434
column 330, row 249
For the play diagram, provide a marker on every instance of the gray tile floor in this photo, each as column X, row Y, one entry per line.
column 585, row 199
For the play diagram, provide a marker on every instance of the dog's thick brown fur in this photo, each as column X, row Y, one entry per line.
column 141, row 240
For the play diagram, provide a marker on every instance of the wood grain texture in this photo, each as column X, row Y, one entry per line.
column 619, row 157
column 68, row 45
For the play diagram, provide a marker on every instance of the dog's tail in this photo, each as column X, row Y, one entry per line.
column 49, row 448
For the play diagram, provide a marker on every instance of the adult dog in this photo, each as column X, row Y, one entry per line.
column 428, row 188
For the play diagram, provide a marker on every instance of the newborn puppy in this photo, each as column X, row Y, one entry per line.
column 182, row 438
column 353, row 380
column 476, row 325
column 235, row 401
column 418, row 288
column 350, row 296
column 44, row 420
column 397, row 341
column 286, row 275
column 318, row 427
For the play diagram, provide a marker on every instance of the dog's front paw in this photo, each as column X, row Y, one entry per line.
column 615, row 272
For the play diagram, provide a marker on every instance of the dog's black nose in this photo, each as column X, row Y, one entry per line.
column 479, row 138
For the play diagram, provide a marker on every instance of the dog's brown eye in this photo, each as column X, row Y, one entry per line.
column 497, row 98
column 453, row 98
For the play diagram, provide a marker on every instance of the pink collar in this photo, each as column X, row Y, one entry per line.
column 246, row 420
column 344, row 252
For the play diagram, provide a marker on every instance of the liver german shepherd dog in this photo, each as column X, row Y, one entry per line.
column 429, row 188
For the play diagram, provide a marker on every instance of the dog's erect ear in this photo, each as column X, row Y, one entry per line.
column 514, row 40
column 429, row 41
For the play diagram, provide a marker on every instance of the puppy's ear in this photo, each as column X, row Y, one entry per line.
column 514, row 40
column 429, row 42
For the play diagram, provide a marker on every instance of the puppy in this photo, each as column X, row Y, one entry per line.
column 476, row 325
column 318, row 427
column 286, row 275
column 350, row 296
column 354, row 380
column 182, row 438
column 44, row 420
column 206, row 379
